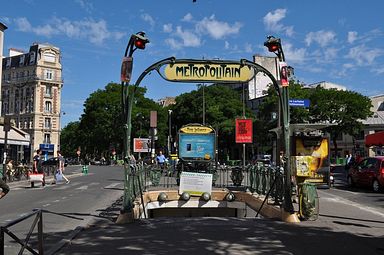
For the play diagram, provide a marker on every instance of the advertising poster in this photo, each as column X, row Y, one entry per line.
column 311, row 157
column 141, row 145
column 197, row 146
column 244, row 132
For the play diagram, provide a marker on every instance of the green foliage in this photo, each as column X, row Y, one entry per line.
column 69, row 139
column 222, row 106
column 343, row 109
column 101, row 125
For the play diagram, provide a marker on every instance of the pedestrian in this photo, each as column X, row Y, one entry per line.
column 160, row 159
column 4, row 188
column 61, row 166
column 37, row 166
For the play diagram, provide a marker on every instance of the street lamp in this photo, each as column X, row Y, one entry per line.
column 136, row 41
column 274, row 45
column 169, row 131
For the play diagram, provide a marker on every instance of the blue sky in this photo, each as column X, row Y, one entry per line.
column 335, row 41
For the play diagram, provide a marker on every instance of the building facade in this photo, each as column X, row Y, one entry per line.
column 31, row 95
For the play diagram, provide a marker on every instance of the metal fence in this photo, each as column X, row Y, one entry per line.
column 257, row 178
column 25, row 245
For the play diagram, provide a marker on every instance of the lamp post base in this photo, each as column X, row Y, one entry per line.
column 125, row 217
column 289, row 217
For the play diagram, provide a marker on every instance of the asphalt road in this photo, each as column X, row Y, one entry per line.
column 84, row 197
column 356, row 215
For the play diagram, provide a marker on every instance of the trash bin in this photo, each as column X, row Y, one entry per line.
column 308, row 201
column 85, row 169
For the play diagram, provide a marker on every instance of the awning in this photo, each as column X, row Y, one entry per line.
column 15, row 136
column 376, row 139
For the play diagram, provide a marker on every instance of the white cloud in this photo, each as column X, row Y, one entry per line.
column 96, row 32
column 167, row 28
column 321, row 37
column 217, row 29
column 294, row 55
column 5, row 20
column 185, row 38
column 148, row 18
column 87, row 6
column 272, row 22
column 248, row 48
column 187, row 17
column 23, row 25
column 379, row 70
column 330, row 54
column 352, row 36
column 226, row 45
column 363, row 55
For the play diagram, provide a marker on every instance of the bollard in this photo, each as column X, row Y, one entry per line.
column 85, row 170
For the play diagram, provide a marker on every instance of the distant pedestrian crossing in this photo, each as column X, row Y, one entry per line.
column 80, row 186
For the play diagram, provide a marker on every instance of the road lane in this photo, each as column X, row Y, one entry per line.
column 86, row 196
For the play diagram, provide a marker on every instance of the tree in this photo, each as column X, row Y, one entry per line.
column 69, row 139
column 101, row 125
column 222, row 106
column 343, row 110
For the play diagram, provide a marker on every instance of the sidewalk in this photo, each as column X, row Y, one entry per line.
column 327, row 235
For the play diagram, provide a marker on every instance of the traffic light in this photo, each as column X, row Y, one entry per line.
column 273, row 44
column 140, row 40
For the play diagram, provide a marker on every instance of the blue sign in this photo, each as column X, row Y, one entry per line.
column 299, row 103
column 47, row 147
column 197, row 146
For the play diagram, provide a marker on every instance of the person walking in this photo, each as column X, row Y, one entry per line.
column 61, row 166
column 160, row 159
column 4, row 188
column 37, row 166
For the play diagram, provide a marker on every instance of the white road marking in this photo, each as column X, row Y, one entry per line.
column 112, row 185
column 338, row 199
column 84, row 187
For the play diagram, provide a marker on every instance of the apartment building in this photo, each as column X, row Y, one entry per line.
column 31, row 95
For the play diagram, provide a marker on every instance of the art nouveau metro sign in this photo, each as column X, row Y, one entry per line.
column 208, row 71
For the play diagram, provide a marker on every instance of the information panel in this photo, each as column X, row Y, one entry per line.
column 195, row 183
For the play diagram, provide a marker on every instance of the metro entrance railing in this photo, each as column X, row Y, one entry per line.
column 261, row 179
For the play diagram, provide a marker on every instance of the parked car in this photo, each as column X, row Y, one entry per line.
column 369, row 173
column 53, row 162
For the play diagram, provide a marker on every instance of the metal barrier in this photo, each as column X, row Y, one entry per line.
column 256, row 178
column 25, row 244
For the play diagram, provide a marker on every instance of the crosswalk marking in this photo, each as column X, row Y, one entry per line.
column 112, row 185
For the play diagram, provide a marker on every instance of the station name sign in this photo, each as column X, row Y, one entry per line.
column 208, row 72
column 196, row 130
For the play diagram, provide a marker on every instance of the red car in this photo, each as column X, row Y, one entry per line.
column 369, row 172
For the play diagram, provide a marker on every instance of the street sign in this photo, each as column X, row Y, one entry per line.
column 299, row 103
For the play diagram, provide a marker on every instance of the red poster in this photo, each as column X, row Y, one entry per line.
column 244, row 131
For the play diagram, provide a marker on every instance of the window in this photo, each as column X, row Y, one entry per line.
column 22, row 58
column 48, row 74
column 47, row 138
column 8, row 64
column 49, row 57
column 48, row 91
column 48, row 106
column 32, row 58
column 47, row 123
